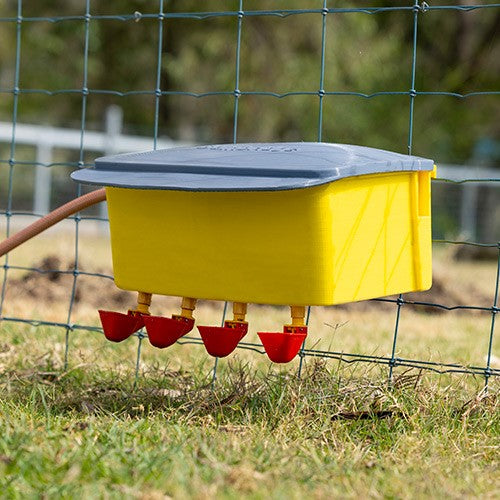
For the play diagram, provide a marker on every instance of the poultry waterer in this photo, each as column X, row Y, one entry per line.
column 295, row 224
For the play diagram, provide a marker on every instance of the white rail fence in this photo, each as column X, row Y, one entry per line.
column 45, row 139
column 469, row 204
column 111, row 141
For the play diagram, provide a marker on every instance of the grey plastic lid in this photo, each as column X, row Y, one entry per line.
column 245, row 167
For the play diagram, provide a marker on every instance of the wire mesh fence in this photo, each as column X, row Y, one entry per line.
column 162, row 18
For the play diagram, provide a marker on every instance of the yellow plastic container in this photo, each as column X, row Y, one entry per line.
column 355, row 238
column 345, row 241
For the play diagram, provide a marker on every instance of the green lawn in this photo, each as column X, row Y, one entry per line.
column 260, row 433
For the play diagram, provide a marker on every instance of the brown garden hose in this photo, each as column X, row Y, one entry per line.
column 49, row 220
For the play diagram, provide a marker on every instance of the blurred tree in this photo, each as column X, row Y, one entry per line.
column 457, row 52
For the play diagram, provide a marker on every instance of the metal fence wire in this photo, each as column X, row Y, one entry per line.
column 416, row 10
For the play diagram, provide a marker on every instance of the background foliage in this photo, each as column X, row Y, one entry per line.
column 457, row 52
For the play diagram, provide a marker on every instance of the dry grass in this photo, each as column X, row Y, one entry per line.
column 262, row 433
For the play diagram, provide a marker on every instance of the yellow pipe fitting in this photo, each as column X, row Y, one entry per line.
column 187, row 307
column 298, row 314
column 143, row 302
column 239, row 311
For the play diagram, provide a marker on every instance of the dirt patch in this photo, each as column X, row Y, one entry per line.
column 53, row 283
column 475, row 253
column 444, row 291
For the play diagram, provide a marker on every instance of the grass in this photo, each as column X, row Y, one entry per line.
column 85, row 434
column 261, row 433
column 339, row 431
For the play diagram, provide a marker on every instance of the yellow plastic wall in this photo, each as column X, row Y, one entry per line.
column 349, row 240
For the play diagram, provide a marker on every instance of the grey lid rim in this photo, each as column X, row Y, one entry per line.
column 245, row 167
column 80, row 176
